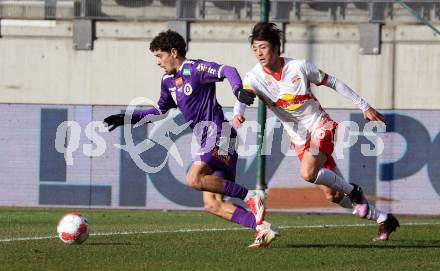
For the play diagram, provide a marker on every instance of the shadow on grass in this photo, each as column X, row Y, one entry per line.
column 382, row 245
column 419, row 241
column 110, row 244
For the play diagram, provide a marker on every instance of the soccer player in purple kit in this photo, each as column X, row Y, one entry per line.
column 193, row 82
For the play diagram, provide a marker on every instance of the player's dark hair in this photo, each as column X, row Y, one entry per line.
column 267, row 32
column 165, row 41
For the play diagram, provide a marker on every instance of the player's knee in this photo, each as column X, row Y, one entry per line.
column 194, row 181
column 308, row 174
column 212, row 206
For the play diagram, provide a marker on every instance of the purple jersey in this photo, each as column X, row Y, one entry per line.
column 194, row 85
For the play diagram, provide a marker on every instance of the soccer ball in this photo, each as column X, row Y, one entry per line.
column 73, row 228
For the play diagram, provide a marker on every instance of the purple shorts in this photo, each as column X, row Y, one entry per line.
column 222, row 164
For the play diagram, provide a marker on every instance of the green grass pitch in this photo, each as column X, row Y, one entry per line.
column 155, row 240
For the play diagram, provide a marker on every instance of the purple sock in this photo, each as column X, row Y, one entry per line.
column 234, row 190
column 244, row 218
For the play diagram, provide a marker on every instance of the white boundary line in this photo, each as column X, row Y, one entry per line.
column 215, row 230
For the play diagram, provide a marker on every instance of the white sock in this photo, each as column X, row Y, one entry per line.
column 375, row 214
column 345, row 203
column 249, row 194
column 330, row 179
column 252, row 193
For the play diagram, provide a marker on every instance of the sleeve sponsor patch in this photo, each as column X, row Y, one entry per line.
column 205, row 68
column 186, row 71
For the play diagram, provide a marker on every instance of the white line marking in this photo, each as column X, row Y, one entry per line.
column 216, row 229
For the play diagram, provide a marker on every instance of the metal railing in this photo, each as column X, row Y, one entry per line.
column 221, row 10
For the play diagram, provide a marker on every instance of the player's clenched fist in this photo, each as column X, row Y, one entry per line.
column 113, row 121
column 237, row 121
column 372, row 115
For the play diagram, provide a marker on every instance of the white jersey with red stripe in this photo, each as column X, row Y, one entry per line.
column 289, row 96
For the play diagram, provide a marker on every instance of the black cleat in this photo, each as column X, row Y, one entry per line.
column 386, row 228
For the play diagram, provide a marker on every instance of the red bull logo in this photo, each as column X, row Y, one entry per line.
column 291, row 101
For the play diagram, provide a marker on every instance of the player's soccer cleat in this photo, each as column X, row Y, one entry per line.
column 266, row 233
column 256, row 204
column 386, row 228
column 359, row 201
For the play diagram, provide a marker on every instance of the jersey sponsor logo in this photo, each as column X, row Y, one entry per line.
column 291, row 102
column 205, row 68
column 179, row 81
column 187, row 89
column 186, row 72
column 172, row 89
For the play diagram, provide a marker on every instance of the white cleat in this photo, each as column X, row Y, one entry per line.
column 266, row 233
column 256, row 204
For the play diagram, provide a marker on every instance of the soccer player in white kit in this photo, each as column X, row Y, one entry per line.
column 283, row 84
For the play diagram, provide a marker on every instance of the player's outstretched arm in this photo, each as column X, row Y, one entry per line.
column 141, row 117
column 319, row 78
column 156, row 113
column 243, row 95
column 370, row 114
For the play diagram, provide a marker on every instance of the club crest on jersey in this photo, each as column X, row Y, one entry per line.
column 187, row 89
column 268, row 81
column 270, row 84
column 295, row 79
column 296, row 83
